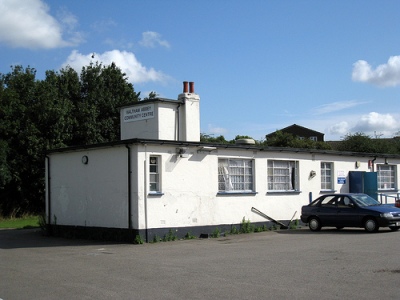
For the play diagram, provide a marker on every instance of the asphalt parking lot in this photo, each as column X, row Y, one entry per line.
column 285, row 264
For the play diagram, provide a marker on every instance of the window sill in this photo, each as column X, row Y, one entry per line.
column 327, row 191
column 283, row 192
column 155, row 194
column 238, row 193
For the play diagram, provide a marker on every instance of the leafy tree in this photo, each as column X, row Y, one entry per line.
column 61, row 110
column 207, row 138
column 103, row 90
column 360, row 142
column 152, row 95
column 19, row 136
column 284, row 139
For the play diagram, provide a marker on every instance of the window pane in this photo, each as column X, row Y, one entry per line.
column 235, row 175
column 154, row 176
column 282, row 175
column 386, row 177
column 326, row 178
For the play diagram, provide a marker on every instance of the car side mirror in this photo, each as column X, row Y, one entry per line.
column 351, row 205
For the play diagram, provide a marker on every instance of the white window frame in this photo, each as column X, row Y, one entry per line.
column 283, row 175
column 154, row 174
column 235, row 175
column 386, row 177
column 327, row 176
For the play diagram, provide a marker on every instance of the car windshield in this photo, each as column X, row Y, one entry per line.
column 365, row 200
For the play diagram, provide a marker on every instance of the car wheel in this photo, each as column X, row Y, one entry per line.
column 371, row 225
column 314, row 224
column 394, row 228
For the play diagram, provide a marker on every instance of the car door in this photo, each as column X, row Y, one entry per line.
column 347, row 213
column 327, row 210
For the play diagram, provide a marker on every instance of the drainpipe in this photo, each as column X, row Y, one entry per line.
column 145, row 193
column 48, row 192
column 178, row 122
column 373, row 164
column 129, row 188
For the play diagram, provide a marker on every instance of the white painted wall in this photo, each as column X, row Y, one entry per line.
column 89, row 195
column 190, row 187
column 96, row 194
column 163, row 119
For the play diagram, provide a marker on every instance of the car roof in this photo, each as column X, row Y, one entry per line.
column 341, row 194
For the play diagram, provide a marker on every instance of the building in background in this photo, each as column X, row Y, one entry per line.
column 300, row 132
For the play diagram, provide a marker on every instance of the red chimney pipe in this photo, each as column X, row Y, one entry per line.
column 185, row 86
column 191, row 87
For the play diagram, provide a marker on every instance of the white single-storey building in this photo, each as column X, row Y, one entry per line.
column 159, row 177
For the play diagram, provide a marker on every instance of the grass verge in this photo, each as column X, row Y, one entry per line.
column 20, row 223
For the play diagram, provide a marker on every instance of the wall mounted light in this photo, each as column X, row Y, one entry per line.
column 85, row 159
column 312, row 174
column 386, row 161
column 182, row 152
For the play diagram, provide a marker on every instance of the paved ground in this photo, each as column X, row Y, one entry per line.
column 287, row 264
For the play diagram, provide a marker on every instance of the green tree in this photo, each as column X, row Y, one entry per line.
column 19, row 136
column 152, row 95
column 61, row 110
column 103, row 90
column 360, row 142
column 284, row 139
column 209, row 138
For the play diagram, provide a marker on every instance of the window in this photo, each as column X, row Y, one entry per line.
column 154, row 174
column 313, row 138
column 326, row 176
column 329, row 201
column 386, row 177
column 282, row 175
column 235, row 175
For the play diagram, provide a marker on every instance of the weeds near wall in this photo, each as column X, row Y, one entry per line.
column 170, row 236
column 156, row 239
column 246, row 226
column 189, row 236
column 294, row 224
column 138, row 239
column 216, row 233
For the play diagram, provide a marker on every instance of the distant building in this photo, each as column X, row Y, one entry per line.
column 300, row 132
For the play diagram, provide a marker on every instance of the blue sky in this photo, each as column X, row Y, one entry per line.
column 258, row 66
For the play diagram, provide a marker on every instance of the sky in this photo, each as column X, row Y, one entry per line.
column 258, row 66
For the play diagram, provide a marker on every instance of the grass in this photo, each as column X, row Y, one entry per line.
column 20, row 223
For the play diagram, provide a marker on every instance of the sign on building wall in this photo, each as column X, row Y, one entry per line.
column 139, row 113
column 341, row 177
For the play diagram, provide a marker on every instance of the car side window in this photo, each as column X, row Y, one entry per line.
column 329, row 201
column 344, row 202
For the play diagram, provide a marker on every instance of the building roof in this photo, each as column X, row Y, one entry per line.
column 209, row 146
column 298, row 130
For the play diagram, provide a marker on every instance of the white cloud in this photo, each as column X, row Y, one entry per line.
column 151, row 39
column 384, row 75
column 28, row 24
column 370, row 124
column 124, row 60
column 215, row 130
column 335, row 106
column 375, row 122
column 341, row 128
